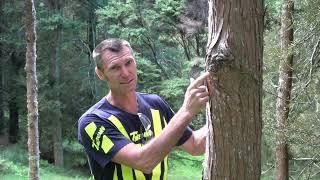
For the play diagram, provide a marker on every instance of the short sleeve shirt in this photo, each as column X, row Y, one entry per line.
column 104, row 129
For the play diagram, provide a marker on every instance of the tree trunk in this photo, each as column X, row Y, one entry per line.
column 2, row 120
column 13, row 120
column 1, row 74
column 57, row 144
column 32, row 91
column 234, row 60
column 91, row 33
column 14, row 64
column 185, row 46
column 54, row 81
column 284, row 91
column 57, row 133
column 1, row 95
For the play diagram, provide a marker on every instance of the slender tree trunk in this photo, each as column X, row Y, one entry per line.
column 234, row 59
column 152, row 47
column 13, row 92
column 54, row 80
column 57, row 144
column 185, row 46
column 284, row 91
column 32, row 91
column 57, row 133
column 91, row 33
column 1, row 73
column 13, row 120
column 1, row 95
column 198, row 47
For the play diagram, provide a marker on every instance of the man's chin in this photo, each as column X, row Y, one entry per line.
column 130, row 88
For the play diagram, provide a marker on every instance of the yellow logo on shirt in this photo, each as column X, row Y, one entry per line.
column 106, row 144
column 136, row 136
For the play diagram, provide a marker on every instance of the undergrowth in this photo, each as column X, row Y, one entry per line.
column 14, row 166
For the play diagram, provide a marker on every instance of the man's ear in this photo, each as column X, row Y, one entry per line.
column 100, row 74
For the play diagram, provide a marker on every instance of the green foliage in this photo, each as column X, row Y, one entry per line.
column 148, row 27
column 170, row 8
column 74, row 154
column 273, row 7
column 14, row 165
column 12, row 33
column 270, row 83
column 184, row 166
column 272, row 13
column 148, row 76
column 173, row 90
column 309, row 12
column 54, row 21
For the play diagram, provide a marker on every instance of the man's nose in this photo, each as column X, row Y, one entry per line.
column 125, row 71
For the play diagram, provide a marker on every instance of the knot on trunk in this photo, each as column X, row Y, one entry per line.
column 215, row 60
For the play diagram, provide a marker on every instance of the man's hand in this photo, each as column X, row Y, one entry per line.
column 196, row 95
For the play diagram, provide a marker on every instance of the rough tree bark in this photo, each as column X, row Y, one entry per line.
column 234, row 59
column 284, row 91
column 32, row 91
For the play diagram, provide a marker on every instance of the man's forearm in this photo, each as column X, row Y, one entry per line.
column 159, row 147
column 200, row 140
column 196, row 144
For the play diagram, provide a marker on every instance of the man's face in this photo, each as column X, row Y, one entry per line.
column 120, row 71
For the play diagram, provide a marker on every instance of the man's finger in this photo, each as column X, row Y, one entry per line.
column 200, row 80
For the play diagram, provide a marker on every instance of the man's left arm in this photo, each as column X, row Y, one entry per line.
column 196, row 144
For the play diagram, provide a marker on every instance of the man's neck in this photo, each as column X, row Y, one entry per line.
column 126, row 102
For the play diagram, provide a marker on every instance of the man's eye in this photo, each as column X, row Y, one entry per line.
column 114, row 68
column 129, row 62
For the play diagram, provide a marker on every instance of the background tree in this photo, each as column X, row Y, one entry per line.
column 32, row 92
column 54, row 77
column 300, row 133
column 2, row 120
column 284, row 90
column 15, row 64
column 234, row 59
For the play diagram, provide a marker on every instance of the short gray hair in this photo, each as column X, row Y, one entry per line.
column 112, row 44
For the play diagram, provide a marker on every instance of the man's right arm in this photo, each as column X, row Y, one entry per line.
column 145, row 158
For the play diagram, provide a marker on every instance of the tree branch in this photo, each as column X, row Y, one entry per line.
column 312, row 159
column 264, row 172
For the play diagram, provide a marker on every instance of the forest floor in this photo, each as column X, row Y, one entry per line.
column 14, row 166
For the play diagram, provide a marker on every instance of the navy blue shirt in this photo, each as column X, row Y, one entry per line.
column 104, row 129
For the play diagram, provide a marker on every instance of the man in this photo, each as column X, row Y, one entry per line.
column 128, row 135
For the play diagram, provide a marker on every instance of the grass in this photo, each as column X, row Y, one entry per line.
column 14, row 166
column 184, row 166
